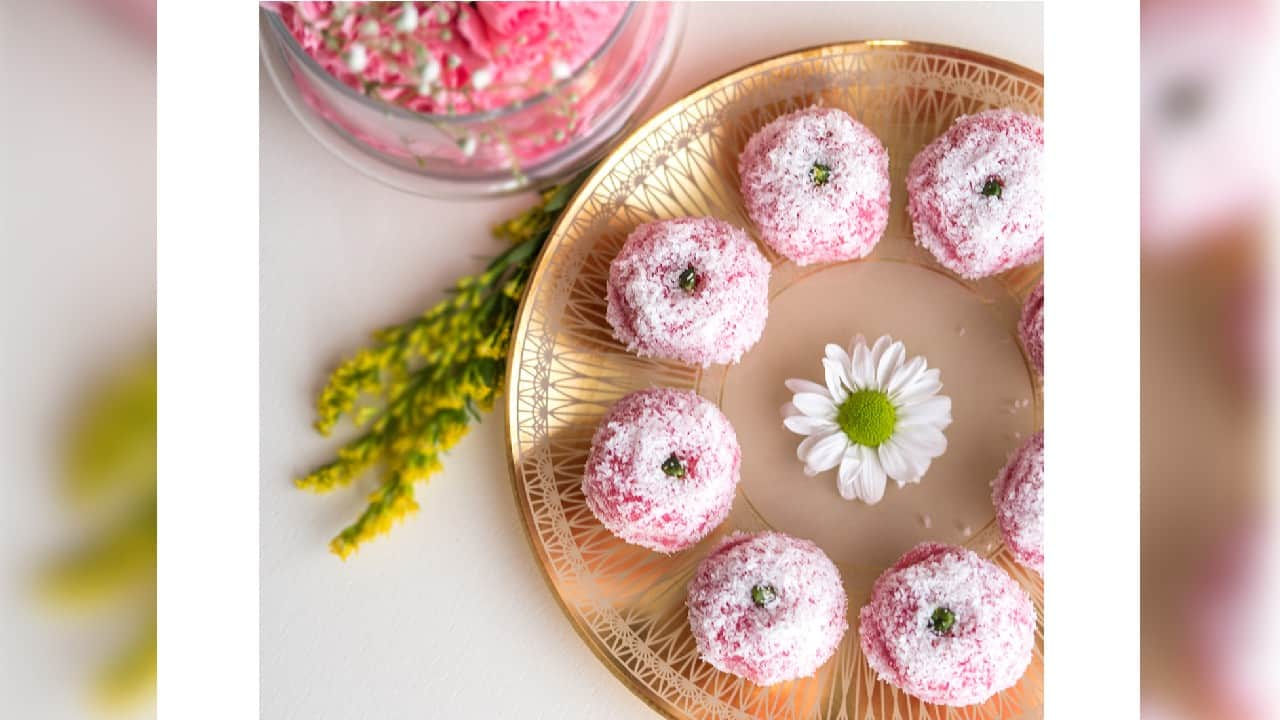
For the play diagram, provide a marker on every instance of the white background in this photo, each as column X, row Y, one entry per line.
column 77, row 257
column 449, row 616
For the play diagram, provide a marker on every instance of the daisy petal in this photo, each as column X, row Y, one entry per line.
column 890, row 362
column 853, row 345
column 848, row 469
column 805, row 425
column 863, row 371
column 921, row 440
column 878, row 349
column 837, row 353
column 935, row 411
column 837, row 379
column 815, row 405
column 927, row 384
column 796, row 385
column 869, row 481
column 895, row 463
column 806, row 445
column 826, row 452
column 924, row 468
column 906, row 376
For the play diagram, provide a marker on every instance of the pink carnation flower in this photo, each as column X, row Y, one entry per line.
column 457, row 58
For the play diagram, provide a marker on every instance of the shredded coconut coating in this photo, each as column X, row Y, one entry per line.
column 987, row 649
column 972, row 234
column 715, row 322
column 1031, row 327
column 842, row 219
column 624, row 481
column 1018, row 495
column 789, row 637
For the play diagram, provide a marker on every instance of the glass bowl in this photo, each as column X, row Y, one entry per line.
column 524, row 145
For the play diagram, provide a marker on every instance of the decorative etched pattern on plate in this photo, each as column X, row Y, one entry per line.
column 566, row 369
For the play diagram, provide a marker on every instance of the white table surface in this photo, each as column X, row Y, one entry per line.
column 449, row 616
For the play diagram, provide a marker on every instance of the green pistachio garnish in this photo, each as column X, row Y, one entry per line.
column 688, row 279
column 993, row 187
column 673, row 467
column 820, row 174
column 762, row 595
column 942, row 621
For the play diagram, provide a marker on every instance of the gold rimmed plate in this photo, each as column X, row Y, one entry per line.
column 566, row 370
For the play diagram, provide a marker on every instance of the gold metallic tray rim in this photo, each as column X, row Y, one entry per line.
column 519, row 333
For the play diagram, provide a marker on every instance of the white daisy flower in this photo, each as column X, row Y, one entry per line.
column 879, row 415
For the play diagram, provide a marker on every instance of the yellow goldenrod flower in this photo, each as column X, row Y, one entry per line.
column 418, row 388
column 111, row 481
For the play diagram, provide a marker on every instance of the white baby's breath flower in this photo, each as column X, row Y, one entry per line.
column 408, row 20
column 356, row 57
column 560, row 69
column 430, row 76
column 482, row 78
column 878, row 416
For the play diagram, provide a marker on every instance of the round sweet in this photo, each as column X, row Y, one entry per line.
column 816, row 183
column 767, row 607
column 975, row 194
column 694, row 290
column 663, row 469
column 1018, row 495
column 947, row 626
column 1031, row 327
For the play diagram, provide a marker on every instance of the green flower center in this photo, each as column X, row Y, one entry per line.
column 993, row 188
column 762, row 595
column 942, row 621
column 867, row 417
column 688, row 279
column 673, row 467
column 820, row 174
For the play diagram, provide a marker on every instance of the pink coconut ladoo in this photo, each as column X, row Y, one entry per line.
column 816, row 183
column 947, row 626
column 975, row 194
column 695, row 290
column 1018, row 495
column 767, row 607
column 1031, row 327
column 662, row 469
